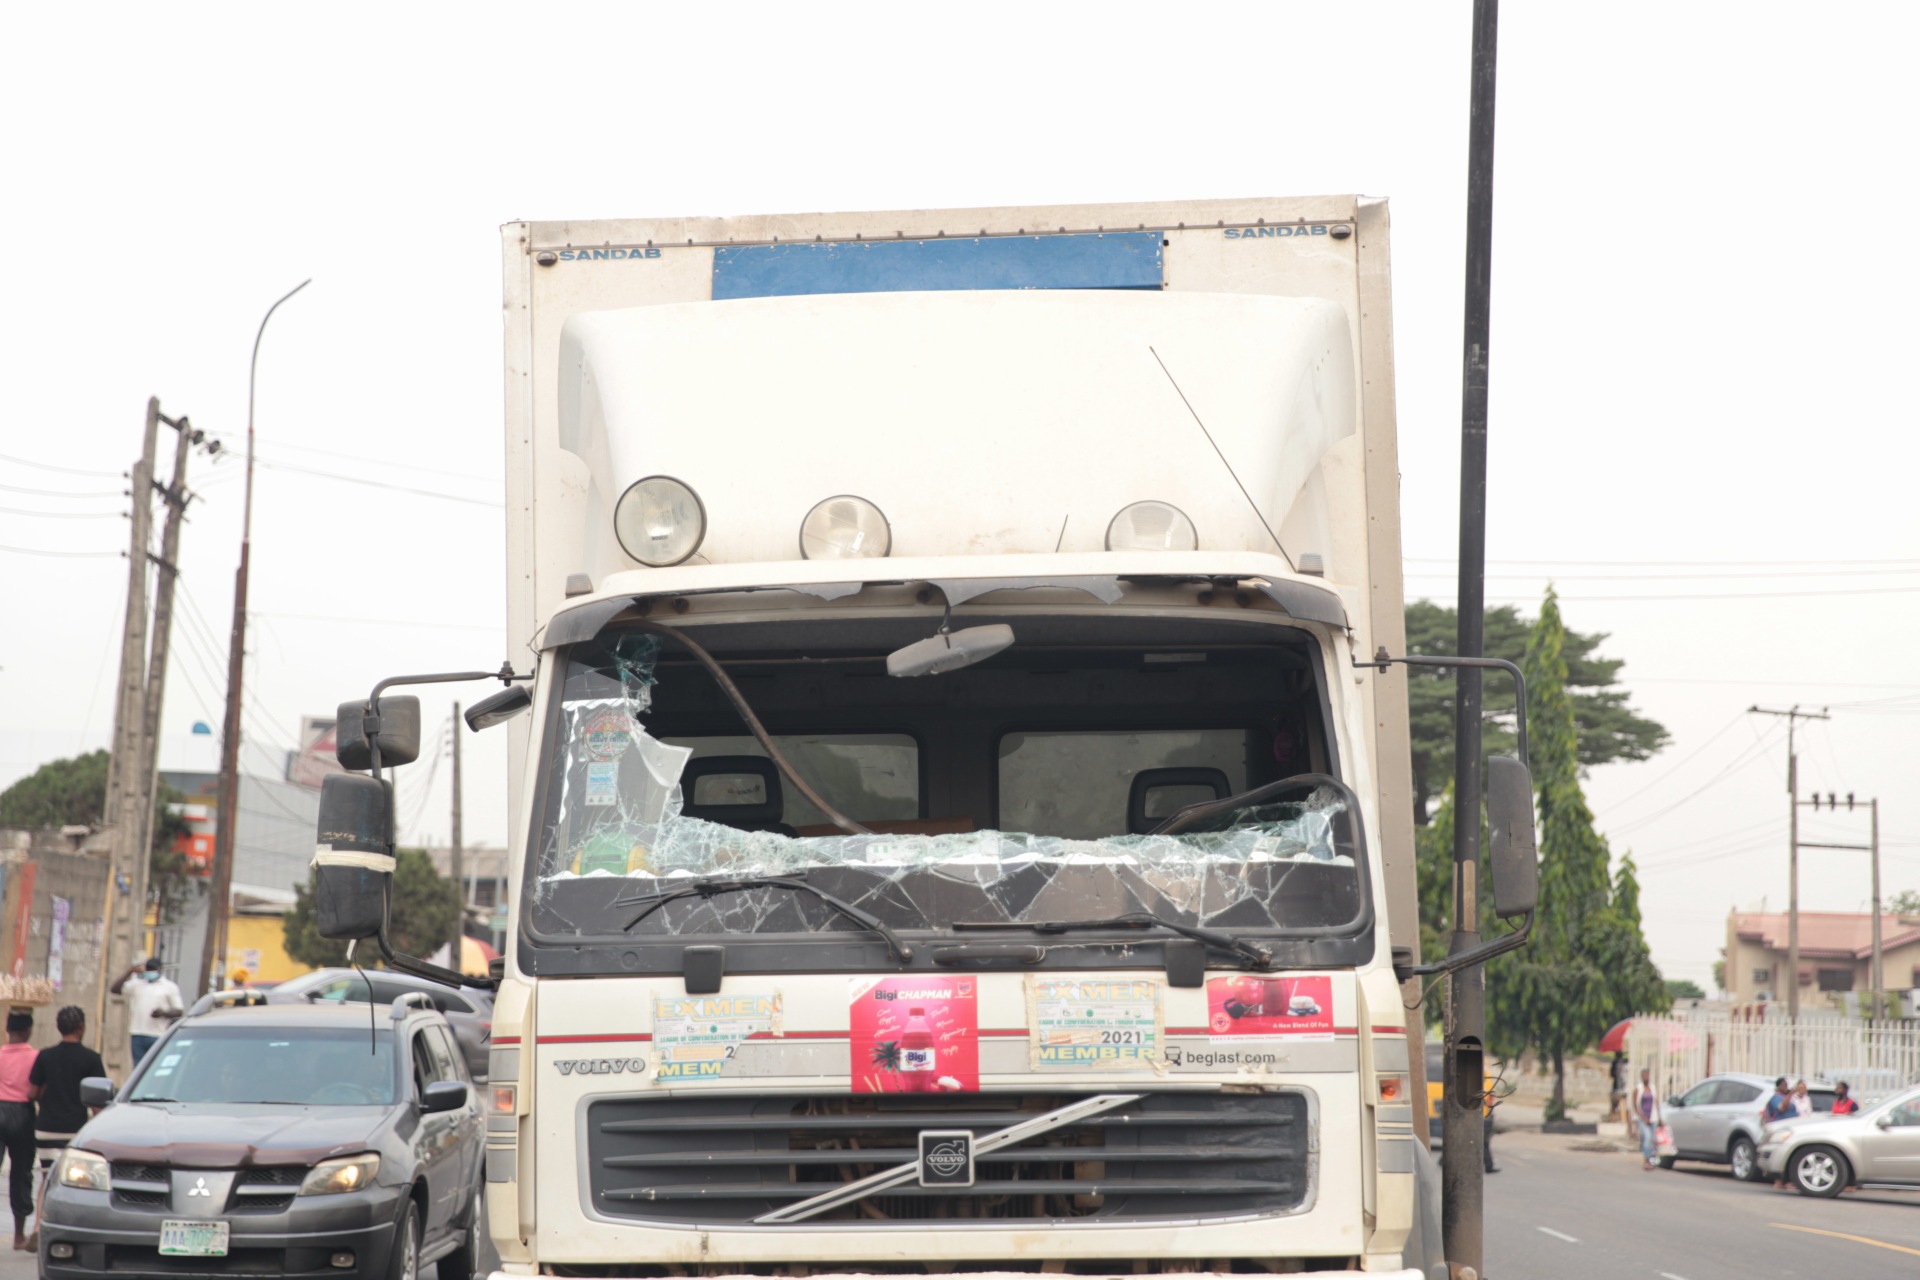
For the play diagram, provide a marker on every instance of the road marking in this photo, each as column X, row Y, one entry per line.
column 1841, row 1235
column 1668, row 1275
column 1559, row 1235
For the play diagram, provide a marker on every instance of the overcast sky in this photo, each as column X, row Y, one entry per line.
column 1702, row 292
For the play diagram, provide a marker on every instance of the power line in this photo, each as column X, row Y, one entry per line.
column 61, row 493
column 1753, row 753
column 379, row 622
column 72, row 555
column 65, row 515
column 379, row 462
column 378, row 484
column 72, row 471
column 1724, row 729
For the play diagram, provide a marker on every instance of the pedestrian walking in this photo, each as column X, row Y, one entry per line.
column 54, row 1084
column 16, row 1119
column 1617, row 1087
column 153, row 1003
column 1646, row 1107
column 1843, row 1103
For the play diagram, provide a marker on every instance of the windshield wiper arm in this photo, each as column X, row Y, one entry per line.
column 713, row 888
column 1252, row 952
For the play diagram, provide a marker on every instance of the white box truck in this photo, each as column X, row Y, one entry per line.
column 958, row 826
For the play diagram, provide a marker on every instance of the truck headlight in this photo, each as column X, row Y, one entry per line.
column 659, row 521
column 845, row 528
column 83, row 1169
column 335, row 1177
column 1151, row 526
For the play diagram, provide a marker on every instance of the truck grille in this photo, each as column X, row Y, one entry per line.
column 727, row 1160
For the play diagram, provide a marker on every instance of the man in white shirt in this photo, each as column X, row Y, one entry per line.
column 152, row 1003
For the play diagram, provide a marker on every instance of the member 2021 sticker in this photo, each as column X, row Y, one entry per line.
column 918, row 1034
column 1249, row 1006
column 694, row 1037
column 1102, row 1023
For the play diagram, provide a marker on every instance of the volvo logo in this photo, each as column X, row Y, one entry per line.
column 199, row 1188
column 601, row 1066
column 946, row 1157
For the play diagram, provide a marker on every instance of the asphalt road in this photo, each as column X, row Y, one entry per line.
column 1556, row 1211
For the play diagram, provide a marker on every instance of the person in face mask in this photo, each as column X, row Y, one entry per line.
column 152, row 1004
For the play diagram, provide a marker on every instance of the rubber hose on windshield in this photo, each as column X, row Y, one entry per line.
column 739, row 701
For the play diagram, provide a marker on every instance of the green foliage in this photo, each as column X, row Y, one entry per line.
column 73, row 793
column 1683, row 989
column 1587, row 965
column 1720, row 973
column 423, row 915
column 1606, row 728
column 1904, row 903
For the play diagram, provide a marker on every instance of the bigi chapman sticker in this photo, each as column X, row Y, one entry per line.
column 914, row 1034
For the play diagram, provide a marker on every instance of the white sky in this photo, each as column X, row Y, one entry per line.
column 1701, row 289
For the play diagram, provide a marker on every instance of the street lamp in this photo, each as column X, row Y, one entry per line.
column 213, row 955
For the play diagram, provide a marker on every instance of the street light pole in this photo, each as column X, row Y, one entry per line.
column 213, row 954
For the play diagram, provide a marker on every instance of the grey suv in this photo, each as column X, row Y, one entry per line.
column 276, row 1140
column 1718, row 1120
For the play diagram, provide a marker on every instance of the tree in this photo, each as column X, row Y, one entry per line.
column 423, row 915
column 1905, row 903
column 1720, row 971
column 73, row 793
column 1683, row 989
column 1587, row 965
column 1607, row 729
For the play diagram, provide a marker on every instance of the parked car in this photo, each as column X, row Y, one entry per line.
column 469, row 1011
column 1879, row 1146
column 1436, row 1093
column 1719, row 1120
column 268, row 1139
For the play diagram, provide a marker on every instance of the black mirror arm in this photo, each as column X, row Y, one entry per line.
column 1381, row 661
column 424, row 969
column 1479, row 954
column 371, row 720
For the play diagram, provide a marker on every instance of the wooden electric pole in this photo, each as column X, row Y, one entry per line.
column 456, row 856
column 126, row 895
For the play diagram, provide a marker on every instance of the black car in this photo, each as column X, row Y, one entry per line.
column 469, row 1010
column 286, row 1140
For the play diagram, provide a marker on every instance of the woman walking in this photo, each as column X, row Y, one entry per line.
column 1646, row 1109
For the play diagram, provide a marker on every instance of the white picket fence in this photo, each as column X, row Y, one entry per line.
column 1683, row 1048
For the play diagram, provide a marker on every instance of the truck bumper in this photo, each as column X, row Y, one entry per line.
column 1407, row 1274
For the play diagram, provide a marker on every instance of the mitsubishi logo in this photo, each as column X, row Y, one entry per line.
column 199, row 1188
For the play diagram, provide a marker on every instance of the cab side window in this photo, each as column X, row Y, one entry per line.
column 423, row 1067
column 446, row 1063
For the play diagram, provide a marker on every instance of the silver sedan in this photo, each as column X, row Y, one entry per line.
column 1877, row 1146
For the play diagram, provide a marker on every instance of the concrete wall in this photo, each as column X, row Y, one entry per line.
column 76, row 872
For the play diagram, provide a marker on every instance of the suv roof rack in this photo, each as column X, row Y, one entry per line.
column 410, row 1000
column 240, row 999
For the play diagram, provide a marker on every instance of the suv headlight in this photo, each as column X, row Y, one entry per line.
column 335, row 1177
column 83, row 1169
column 1777, row 1137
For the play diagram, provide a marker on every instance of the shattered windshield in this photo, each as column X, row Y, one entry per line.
column 1024, row 790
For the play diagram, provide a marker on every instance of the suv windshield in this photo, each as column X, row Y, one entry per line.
column 1024, row 789
column 298, row 1066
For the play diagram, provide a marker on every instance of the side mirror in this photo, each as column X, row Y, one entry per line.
column 444, row 1095
column 1675, row 1102
column 949, row 651
column 1884, row 1122
column 1510, row 841
column 96, row 1091
column 351, row 864
column 398, row 733
column 497, row 708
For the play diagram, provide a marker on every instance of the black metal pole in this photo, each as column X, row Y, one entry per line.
column 1461, row 1124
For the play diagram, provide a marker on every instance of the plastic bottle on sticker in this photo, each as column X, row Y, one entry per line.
column 918, row 1057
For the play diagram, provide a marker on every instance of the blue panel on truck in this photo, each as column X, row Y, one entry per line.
column 1108, row 260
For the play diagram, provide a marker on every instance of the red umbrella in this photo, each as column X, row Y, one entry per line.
column 1615, row 1041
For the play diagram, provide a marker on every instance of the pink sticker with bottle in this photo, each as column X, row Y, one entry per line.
column 915, row 1035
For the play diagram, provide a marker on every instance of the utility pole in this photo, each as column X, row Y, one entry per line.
column 176, row 497
column 124, row 794
column 213, row 955
column 456, row 856
column 1461, row 1175
column 1875, row 976
column 1794, row 715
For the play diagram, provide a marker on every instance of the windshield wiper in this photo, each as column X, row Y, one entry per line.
column 1251, row 952
column 713, row 888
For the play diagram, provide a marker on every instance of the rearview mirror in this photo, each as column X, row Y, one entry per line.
column 949, row 651
column 398, row 735
column 1510, row 842
column 498, row 708
column 351, row 860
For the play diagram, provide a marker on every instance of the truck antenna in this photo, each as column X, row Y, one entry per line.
column 1258, row 514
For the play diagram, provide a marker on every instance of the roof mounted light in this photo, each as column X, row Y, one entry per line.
column 1152, row 526
column 659, row 521
column 845, row 527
